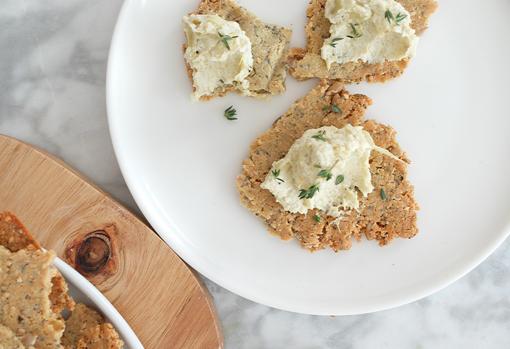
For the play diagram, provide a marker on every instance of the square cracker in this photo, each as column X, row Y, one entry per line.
column 269, row 47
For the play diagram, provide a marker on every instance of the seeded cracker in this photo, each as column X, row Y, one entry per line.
column 269, row 48
column 85, row 328
column 27, row 273
column 81, row 319
column 381, row 219
column 25, row 306
column 308, row 63
column 102, row 336
column 8, row 339
column 14, row 236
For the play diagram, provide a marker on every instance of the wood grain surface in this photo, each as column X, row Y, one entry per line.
column 157, row 294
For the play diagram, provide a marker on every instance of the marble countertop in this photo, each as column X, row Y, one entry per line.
column 53, row 56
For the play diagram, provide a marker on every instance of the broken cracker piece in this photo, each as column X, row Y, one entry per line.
column 25, row 306
column 269, row 48
column 308, row 63
column 377, row 219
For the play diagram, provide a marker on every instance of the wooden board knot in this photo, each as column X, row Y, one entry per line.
column 94, row 252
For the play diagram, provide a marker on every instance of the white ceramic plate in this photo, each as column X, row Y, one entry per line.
column 180, row 159
column 84, row 292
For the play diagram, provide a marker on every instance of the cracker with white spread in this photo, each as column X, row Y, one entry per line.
column 385, row 207
column 360, row 40
column 260, row 75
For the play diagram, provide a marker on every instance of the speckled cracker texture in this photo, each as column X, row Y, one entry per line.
column 378, row 219
column 25, row 306
column 33, row 294
column 308, row 63
column 8, row 339
column 86, row 328
column 14, row 237
column 270, row 44
column 102, row 336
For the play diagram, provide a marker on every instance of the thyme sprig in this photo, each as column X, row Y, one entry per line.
column 397, row 19
column 334, row 41
column 309, row 193
column 383, row 194
column 320, row 136
column 326, row 174
column 226, row 38
column 334, row 108
column 354, row 32
column 230, row 113
column 276, row 175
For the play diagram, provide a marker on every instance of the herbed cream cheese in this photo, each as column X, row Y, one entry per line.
column 218, row 51
column 324, row 169
column 373, row 31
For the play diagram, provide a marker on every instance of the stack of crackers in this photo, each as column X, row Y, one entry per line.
column 34, row 296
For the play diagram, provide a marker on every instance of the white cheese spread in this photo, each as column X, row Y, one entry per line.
column 219, row 53
column 373, row 31
column 324, row 169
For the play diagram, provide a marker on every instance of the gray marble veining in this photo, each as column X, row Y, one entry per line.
column 53, row 56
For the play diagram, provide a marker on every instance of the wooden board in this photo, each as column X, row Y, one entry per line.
column 157, row 294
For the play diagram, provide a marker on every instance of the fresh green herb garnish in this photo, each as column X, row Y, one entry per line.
column 225, row 39
column 276, row 174
column 325, row 174
column 400, row 17
column 333, row 42
column 309, row 193
column 320, row 136
column 339, row 179
column 334, row 108
column 389, row 16
column 230, row 113
column 354, row 32
column 317, row 218
column 383, row 194
column 397, row 19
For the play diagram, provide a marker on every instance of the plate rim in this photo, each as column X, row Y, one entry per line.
column 146, row 206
